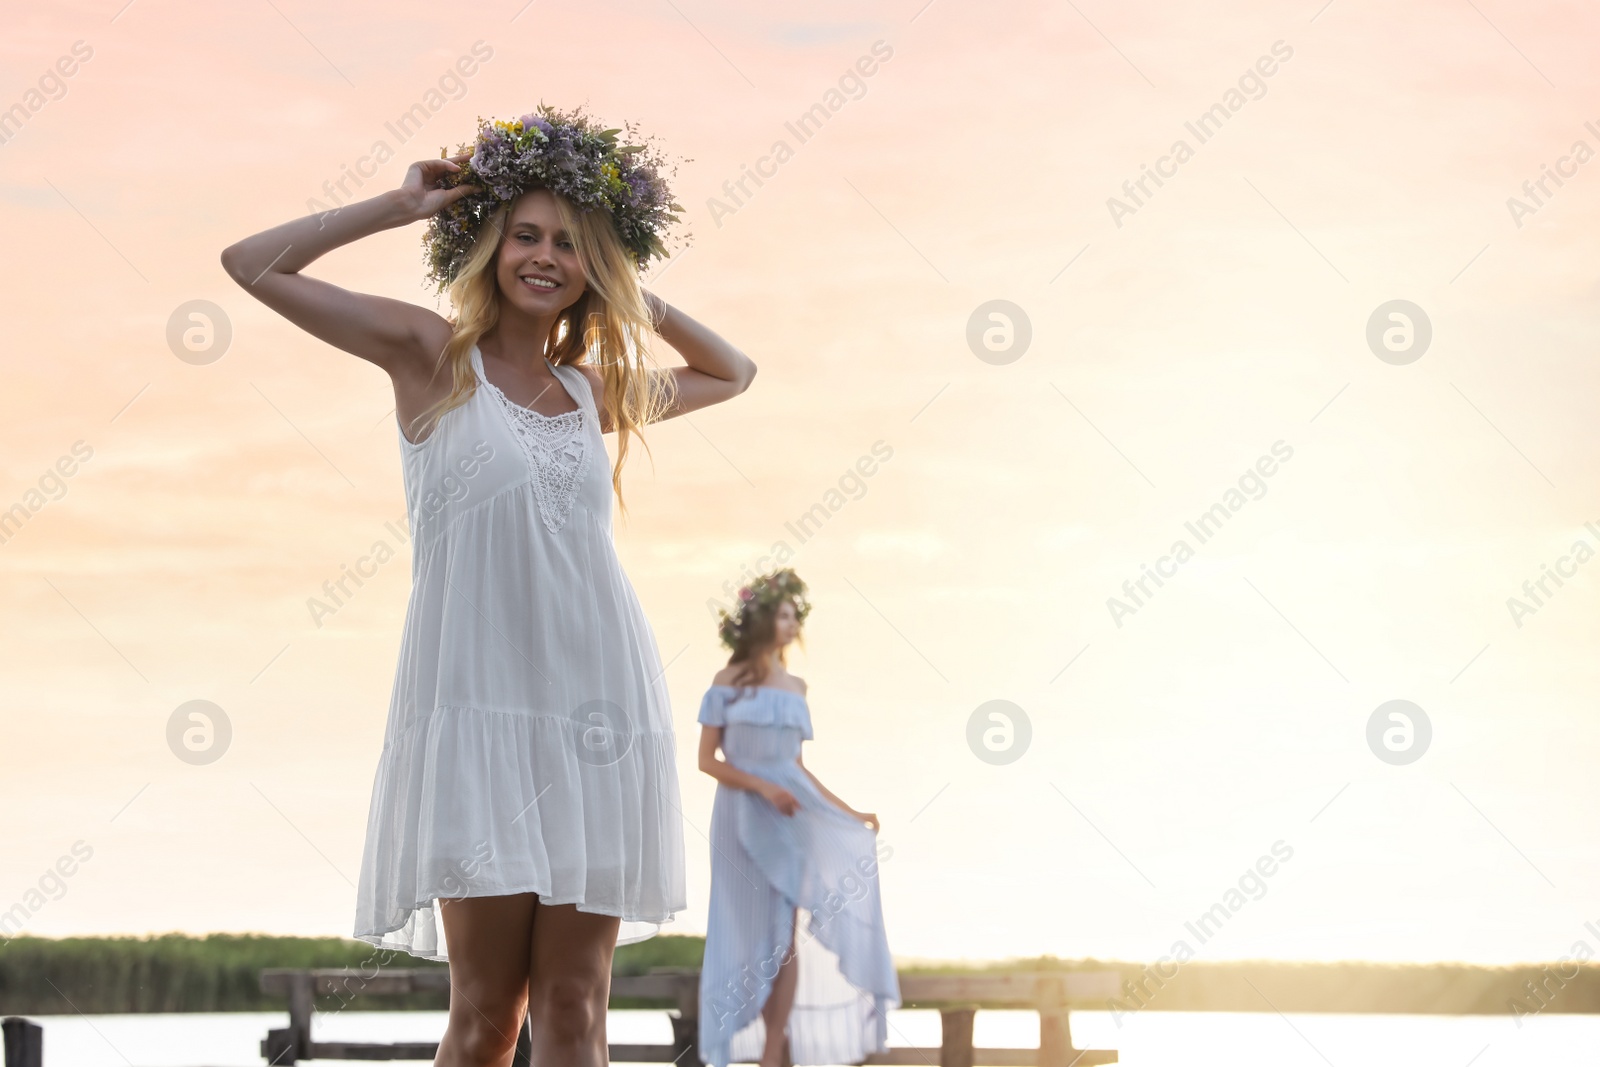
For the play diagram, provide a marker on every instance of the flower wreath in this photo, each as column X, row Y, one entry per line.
column 567, row 153
column 761, row 595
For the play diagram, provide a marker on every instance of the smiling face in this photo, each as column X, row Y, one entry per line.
column 538, row 269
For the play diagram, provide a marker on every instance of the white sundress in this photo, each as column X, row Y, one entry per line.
column 529, row 745
column 765, row 865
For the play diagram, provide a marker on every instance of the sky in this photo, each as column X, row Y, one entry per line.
column 1348, row 323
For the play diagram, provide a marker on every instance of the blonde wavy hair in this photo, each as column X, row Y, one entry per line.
column 609, row 326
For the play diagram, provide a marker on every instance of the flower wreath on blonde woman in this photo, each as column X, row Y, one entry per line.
column 614, row 201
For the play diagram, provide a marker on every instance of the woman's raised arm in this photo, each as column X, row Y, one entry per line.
column 715, row 371
column 394, row 334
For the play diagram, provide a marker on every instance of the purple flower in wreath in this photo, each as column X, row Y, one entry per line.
column 569, row 154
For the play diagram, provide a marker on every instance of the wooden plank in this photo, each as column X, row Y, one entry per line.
column 363, row 1050
column 1052, row 994
column 677, row 988
column 1005, row 1057
column 383, row 984
column 920, row 1057
column 395, row 980
column 917, row 1057
column 641, row 1054
column 907, row 1056
column 990, row 1057
column 1020, row 989
column 331, row 981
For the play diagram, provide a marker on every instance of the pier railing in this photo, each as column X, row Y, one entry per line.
column 957, row 998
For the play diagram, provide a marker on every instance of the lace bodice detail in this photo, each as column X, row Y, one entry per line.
column 557, row 451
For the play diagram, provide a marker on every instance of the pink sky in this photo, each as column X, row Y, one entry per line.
column 1226, row 313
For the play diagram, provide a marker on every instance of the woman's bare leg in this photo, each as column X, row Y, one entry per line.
column 569, row 985
column 487, row 941
column 780, row 1001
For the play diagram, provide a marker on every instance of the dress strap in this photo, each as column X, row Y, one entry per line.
column 578, row 382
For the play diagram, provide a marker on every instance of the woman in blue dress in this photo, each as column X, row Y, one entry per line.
column 782, row 843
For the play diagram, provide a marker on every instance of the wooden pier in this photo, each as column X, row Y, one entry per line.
column 958, row 998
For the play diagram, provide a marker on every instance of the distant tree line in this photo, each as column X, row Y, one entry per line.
column 220, row 972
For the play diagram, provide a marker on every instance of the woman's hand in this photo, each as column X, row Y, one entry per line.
column 419, row 190
column 780, row 798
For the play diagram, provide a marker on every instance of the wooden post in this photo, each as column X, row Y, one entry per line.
column 302, row 989
column 24, row 1042
column 1055, row 1037
column 686, row 1023
column 279, row 1048
column 523, row 1056
column 955, row 1042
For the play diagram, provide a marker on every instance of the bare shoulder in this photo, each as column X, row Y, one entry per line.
column 724, row 677
column 792, row 682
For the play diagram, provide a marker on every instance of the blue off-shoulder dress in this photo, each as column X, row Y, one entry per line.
column 764, row 866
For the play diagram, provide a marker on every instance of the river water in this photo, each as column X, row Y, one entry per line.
column 1144, row 1039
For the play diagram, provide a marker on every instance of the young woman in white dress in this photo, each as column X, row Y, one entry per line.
column 526, row 798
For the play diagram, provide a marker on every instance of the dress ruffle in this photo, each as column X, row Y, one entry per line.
column 504, row 789
column 750, row 706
